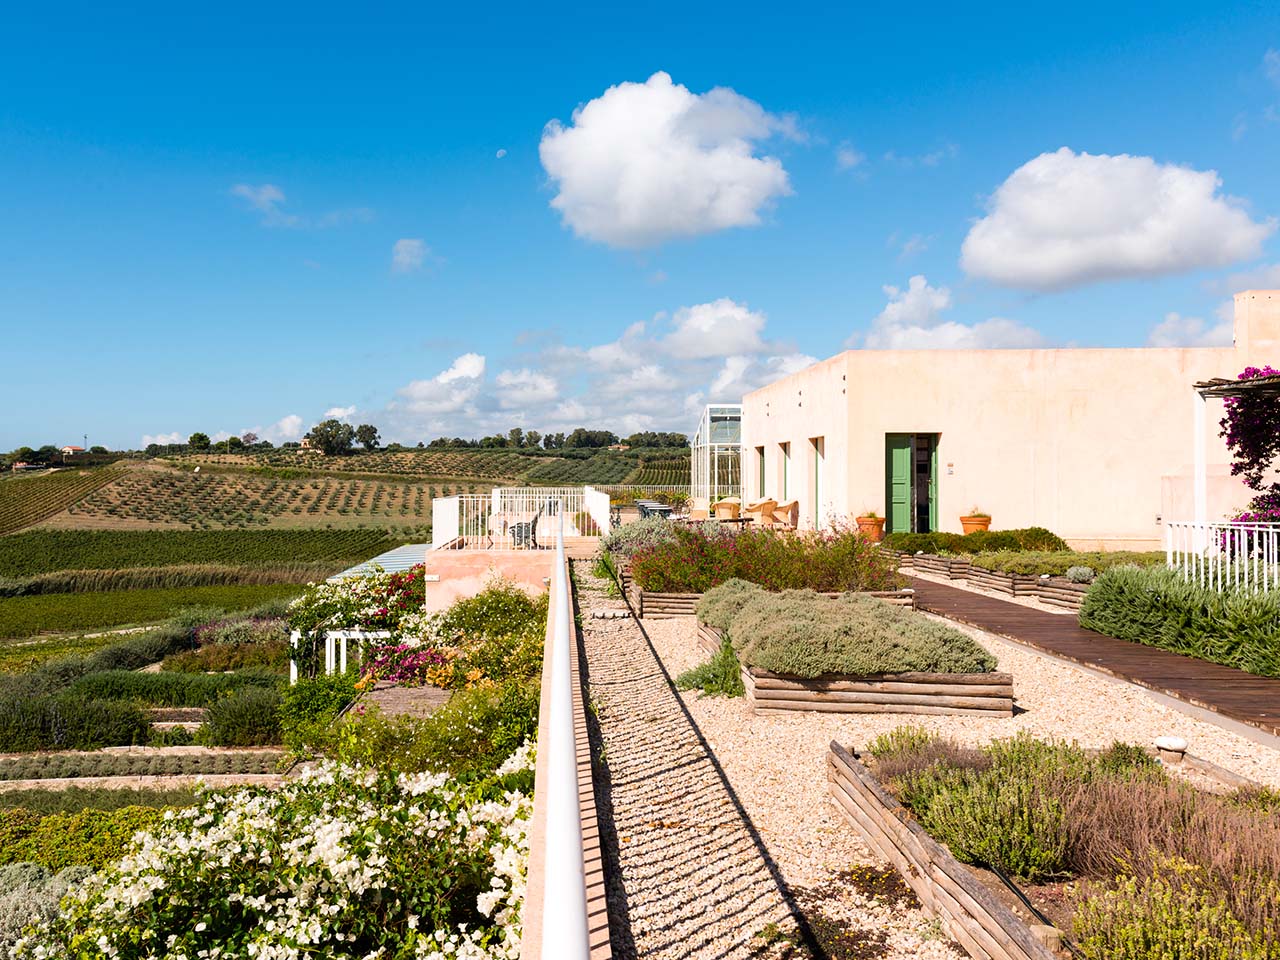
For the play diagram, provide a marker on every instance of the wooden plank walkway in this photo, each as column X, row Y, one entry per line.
column 1224, row 690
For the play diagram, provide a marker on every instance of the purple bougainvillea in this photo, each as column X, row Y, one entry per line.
column 1251, row 427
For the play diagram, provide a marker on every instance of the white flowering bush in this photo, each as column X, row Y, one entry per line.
column 346, row 861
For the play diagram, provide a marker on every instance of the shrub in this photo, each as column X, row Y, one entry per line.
column 67, row 723
column 1029, row 538
column 311, row 705
column 45, row 766
column 30, row 894
column 721, row 676
column 1081, row 574
column 91, row 838
column 721, row 604
column 643, row 534
column 392, row 865
column 836, row 559
column 248, row 717
column 802, row 634
column 1155, row 606
column 166, row 689
column 75, row 799
column 242, row 631
column 225, row 657
column 1057, row 563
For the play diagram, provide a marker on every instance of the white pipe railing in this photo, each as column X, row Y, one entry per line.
column 564, row 883
column 1227, row 555
column 510, row 518
column 335, row 648
column 445, row 518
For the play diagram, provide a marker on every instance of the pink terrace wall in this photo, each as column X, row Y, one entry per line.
column 463, row 573
column 1095, row 444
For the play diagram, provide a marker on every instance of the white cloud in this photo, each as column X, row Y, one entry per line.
column 848, row 157
column 408, row 255
column 162, row 438
column 524, row 388
column 448, row 392
column 912, row 320
column 1271, row 65
column 1176, row 330
column 1264, row 277
column 716, row 329
column 738, row 376
column 931, row 159
column 647, row 162
column 502, row 152
column 914, row 244
column 1066, row 218
column 287, row 429
column 267, row 199
column 339, row 413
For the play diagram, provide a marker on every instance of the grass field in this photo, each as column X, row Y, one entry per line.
column 21, row 654
column 27, row 500
column 44, row 551
column 70, row 612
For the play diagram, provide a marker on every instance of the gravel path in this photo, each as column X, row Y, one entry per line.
column 726, row 846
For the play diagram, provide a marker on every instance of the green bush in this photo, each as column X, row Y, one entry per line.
column 721, row 676
column 223, row 657
column 468, row 738
column 30, row 893
column 309, row 707
column 641, row 535
column 800, row 633
column 1029, row 538
column 248, row 717
column 67, row 723
column 91, row 838
column 48, row 766
column 167, row 689
column 720, row 605
column 1157, row 607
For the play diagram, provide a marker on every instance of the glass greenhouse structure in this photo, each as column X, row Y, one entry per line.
column 717, row 454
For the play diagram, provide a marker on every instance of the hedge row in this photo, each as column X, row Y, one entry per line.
column 90, row 838
column 1057, row 562
column 68, row 723
column 1156, row 606
column 980, row 541
column 167, row 689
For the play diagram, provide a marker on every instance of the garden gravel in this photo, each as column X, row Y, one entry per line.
column 722, row 824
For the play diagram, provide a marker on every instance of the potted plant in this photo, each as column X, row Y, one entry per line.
column 871, row 525
column 975, row 520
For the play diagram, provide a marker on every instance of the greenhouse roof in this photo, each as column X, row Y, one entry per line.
column 393, row 561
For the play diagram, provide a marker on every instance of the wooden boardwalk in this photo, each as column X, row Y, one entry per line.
column 1224, row 690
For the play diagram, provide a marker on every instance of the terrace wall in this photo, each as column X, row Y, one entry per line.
column 1095, row 444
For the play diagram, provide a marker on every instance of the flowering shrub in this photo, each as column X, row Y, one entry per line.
column 699, row 558
column 410, row 665
column 641, row 535
column 346, row 861
column 1251, row 427
column 244, row 631
column 378, row 601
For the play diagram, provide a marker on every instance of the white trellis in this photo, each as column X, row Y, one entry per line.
column 716, row 466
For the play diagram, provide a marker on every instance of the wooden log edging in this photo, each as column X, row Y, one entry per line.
column 1061, row 592
column 659, row 606
column 948, row 890
column 970, row 694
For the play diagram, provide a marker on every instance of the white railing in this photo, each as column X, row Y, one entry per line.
column 1225, row 555
column 510, row 518
column 336, row 648
column 562, row 919
column 596, row 503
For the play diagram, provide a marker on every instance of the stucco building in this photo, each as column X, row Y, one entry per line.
column 1095, row 444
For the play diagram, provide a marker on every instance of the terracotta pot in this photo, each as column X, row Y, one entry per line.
column 872, row 528
column 973, row 524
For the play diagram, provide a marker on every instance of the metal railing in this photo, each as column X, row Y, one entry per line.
column 510, row 518
column 1225, row 555
column 337, row 645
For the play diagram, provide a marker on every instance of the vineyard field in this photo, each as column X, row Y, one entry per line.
column 27, row 500
column 494, row 465
column 44, row 551
column 70, row 612
column 598, row 469
column 674, row 471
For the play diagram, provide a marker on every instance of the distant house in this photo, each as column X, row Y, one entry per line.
column 68, row 450
column 619, row 446
column 23, row 465
column 305, row 444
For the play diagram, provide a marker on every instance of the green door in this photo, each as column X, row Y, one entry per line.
column 897, row 481
column 933, row 486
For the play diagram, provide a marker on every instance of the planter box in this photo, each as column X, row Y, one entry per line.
column 1062, row 592
column 948, row 890
column 972, row 694
column 659, row 606
column 1014, row 584
column 953, row 568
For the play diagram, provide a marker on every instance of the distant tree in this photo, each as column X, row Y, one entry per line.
column 333, row 437
column 532, row 438
column 515, row 437
column 420, row 444
column 153, row 450
column 23, row 455
column 493, row 442
column 367, row 436
column 98, row 449
column 198, row 442
column 235, row 443
column 47, row 454
column 553, row 441
column 582, row 438
column 249, row 438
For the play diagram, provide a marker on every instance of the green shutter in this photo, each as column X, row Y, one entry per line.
column 897, row 481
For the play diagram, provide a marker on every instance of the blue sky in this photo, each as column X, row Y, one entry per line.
column 240, row 221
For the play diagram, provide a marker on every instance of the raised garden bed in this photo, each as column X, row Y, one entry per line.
column 972, row 694
column 659, row 606
column 1061, row 592
column 953, row 568
column 947, row 889
column 1013, row 584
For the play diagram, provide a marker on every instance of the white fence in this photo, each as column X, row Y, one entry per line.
column 338, row 644
column 1222, row 555
column 509, row 518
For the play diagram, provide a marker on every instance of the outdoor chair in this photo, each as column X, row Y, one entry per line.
column 728, row 509
column 698, row 509
column 761, row 511
column 786, row 515
column 525, row 535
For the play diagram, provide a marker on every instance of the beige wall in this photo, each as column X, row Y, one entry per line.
column 1094, row 444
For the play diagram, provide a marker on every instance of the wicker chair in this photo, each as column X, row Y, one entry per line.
column 727, row 509
column 761, row 511
column 786, row 515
